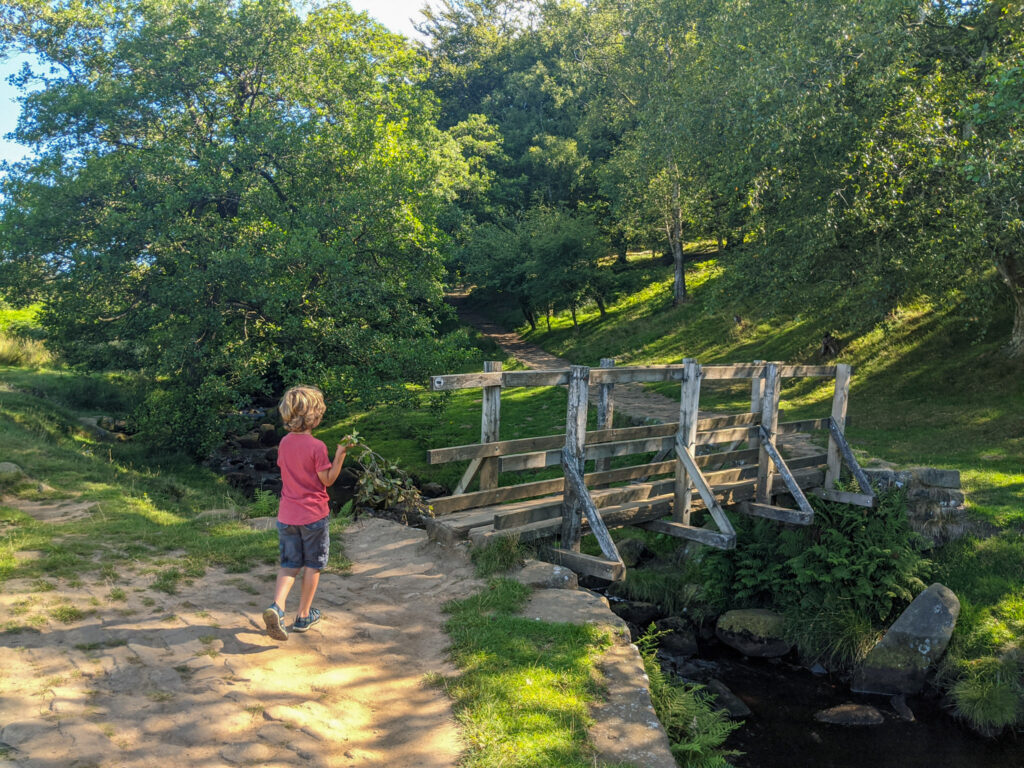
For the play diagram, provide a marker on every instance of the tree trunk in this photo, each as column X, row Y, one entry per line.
column 575, row 325
column 675, row 242
column 1012, row 273
column 721, row 242
column 600, row 305
column 548, row 318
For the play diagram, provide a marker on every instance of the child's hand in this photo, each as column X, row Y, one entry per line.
column 349, row 440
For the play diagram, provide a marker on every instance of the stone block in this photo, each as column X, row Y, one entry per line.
column 938, row 478
column 900, row 662
column 754, row 632
column 540, row 575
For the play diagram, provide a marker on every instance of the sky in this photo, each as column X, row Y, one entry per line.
column 396, row 15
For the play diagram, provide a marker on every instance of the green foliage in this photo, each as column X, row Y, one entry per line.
column 274, row 220
column 849, row 573
column 991, row 695
column 264, row 504
column 499, row 556
column 383, row 485
column 696, row 730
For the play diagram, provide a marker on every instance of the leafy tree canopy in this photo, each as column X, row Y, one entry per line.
column 229, row 196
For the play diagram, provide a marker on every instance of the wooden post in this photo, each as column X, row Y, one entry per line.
column 769, row 425
column 605, row 410
column 689, row 400
column 490, row 428
column 756, row 393
column 839, row 401
column 575, row 445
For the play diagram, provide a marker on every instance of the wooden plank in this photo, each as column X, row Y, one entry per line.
column 844, row 497
column 512, row 515
column 689, row 401
column 490, row 428
column 467, row 477
column 605, row 409
column 769, row 426
column 703, row 535
column 639, row 512
column 782, row 514
column 448, row 504
column 807, row 425
column 727, row 372
column 708, row 431
column 586, row 565
column 851, row 460
column 807, row 371
column 756, row 396
column 620, row 375
column 840, row 401
column 505, row 379
column 573, row 452
column 704, row 490
column 787, row 475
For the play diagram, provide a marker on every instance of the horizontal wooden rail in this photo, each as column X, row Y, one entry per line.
column 622, row 375
column 550, row 442
column 552, row 458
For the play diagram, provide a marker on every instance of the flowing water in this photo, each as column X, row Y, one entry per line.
column 781, row 732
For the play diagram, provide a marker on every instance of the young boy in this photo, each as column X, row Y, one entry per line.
column 302, row 522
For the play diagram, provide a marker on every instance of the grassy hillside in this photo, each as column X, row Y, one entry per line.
column 927, row 389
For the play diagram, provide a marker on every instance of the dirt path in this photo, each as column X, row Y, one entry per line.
column 639, row 404
column 144, row 678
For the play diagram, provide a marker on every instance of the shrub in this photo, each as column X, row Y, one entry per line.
column 837, row 580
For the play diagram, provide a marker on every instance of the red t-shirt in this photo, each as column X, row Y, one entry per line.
column 303, row 496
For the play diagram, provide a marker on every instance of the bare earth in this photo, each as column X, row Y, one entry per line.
column 191, row 679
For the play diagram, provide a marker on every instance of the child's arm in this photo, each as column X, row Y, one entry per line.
column 328, row 476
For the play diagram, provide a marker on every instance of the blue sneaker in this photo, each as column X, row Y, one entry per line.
column 302, row 624
column 273, row 617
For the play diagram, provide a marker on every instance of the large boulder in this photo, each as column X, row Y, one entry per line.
column 754, row 632
column 899, row 663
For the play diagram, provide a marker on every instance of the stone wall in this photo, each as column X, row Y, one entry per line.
column 935, row 501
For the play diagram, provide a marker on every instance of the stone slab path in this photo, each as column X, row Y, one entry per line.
column 143, row 678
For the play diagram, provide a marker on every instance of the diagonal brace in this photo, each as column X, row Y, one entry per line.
column 594, row 519
column 791, row 484
column 699, row 481
column 851, row 460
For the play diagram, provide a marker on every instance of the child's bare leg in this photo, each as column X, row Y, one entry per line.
column 310, row 580
column 285, row 580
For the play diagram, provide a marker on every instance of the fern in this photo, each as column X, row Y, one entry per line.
column 696, row 730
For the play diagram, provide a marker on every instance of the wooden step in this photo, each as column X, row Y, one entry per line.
column 782, row 514
column 587, row 565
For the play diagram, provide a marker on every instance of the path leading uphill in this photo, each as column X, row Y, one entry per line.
column 633, row 400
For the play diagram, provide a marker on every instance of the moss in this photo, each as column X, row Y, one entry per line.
column 756, row 622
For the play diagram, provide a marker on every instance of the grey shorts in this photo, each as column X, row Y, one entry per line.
column 304, row 546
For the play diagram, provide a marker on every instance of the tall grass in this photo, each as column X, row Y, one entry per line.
column 27, row 353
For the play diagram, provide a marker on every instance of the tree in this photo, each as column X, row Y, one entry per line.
column 230, row 197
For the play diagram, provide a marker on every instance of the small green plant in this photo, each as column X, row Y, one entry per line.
column 168, row 580
column 696, row 730
column 264, row 504
column 117, row 594
column 499, row 556
column 67, row 614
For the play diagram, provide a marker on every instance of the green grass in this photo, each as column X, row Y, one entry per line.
column 524, row 687
column 147, row 505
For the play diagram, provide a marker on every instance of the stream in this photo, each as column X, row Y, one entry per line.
column 781, row 732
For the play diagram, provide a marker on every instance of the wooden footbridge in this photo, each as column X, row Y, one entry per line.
column 732, row 461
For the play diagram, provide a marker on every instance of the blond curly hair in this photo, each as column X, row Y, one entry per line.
column 302, row 408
